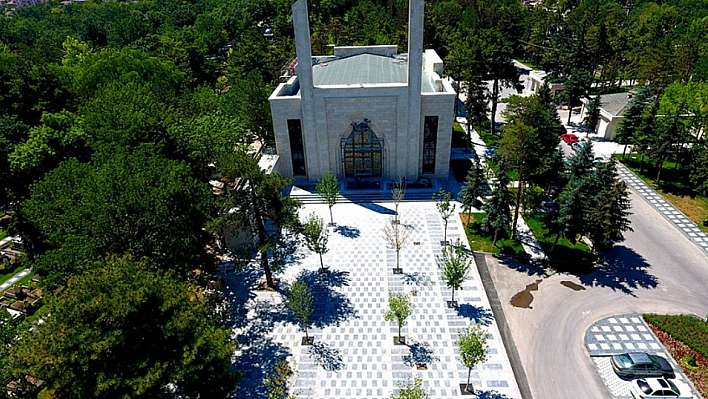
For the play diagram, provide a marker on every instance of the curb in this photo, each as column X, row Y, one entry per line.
column 504, row 331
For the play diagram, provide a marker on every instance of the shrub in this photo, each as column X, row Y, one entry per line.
column 688, row 329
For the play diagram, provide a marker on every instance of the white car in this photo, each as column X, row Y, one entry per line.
column 660, row 388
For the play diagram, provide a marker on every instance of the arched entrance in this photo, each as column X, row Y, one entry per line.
column 362, row 153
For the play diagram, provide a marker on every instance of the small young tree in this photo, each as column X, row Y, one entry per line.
column 498, row 208
column 398, row 193
column 445, row 208
column 396, row 235
column 276, row 384
column 592, row 118
column 473, row 350
column 316, row 237
column 473, row 187
column 455, row 265
column 301, row 303
column 328, row 190
column 399, row 308
column 412, row 391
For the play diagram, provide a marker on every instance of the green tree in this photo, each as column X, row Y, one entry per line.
column 455, row 265
column 137, row 203
column 122, row 330
column 316, row 237
column 699, row 169
column 577, row 83
column 445, row 208
column 498, row 208
column 473, row 350
column 519, row 149
column 608, row 217
column 592, row 117
column 59, row 136
column 473, row 187
column 277, row 383
column 328, row 190
column 200, row 139
column 412, row 391
column 399, row 308
column 574, row 203
column 301, row 304
column 581, row 163
column 632, row 117
column 259, row 196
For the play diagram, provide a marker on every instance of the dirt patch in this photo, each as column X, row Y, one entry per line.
column 523, row 299
column 573, row 286
column 699, row 374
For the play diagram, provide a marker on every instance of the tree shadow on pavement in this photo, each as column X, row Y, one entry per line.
column 490, row 395
column 420, row 353
column 256, row 362
column 478, row 314
column 529, row 267
column 347, row 231
column 621, row 269
column 417, row 278
column 238, row 291
column 326, row 356
column 376, row 208
column 330, row 306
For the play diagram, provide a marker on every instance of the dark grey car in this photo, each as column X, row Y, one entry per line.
column 640, row 364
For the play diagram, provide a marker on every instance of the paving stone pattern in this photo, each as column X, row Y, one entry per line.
column 621, row 334
column 368, row 364
column 670, row 212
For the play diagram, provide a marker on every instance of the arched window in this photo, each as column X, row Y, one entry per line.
column 362, row 152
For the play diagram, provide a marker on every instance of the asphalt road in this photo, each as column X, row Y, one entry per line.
column 655, row 270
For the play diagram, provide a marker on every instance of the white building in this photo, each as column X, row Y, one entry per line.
column 365, row 113
column 612, row 107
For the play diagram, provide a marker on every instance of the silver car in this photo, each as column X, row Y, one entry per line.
column 640, row 364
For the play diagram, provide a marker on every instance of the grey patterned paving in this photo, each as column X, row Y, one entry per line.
column 369, row 365
column 620, row 334
column 670, row 212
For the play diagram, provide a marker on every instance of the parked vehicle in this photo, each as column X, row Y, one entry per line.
column 640, row 364
column 569, row 138
column 660, row 388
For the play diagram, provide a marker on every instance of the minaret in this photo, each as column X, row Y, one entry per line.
column 415, row 73
column 301, row 25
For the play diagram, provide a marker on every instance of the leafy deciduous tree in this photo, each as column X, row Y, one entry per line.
column 473, row 350
column 399, row 308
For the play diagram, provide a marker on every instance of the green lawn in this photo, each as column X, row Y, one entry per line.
column 673, row 186
column 482, row 241
column 491, row 140
column 563, row 255
column 459, row 136
column 3, row 234
column 6, row 275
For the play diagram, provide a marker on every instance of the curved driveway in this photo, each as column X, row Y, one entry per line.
column 655, row 270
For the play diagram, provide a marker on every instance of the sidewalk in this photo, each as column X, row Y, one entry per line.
column 664, row 207
column 526, row 237
column 17, row 277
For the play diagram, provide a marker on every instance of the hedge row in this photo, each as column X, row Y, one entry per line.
column 690, row 330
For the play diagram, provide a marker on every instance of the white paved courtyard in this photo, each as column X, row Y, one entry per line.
column 354, row 355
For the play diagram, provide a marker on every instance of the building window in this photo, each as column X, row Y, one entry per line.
column 362, row 152
column 430, row 138
column 297, row 149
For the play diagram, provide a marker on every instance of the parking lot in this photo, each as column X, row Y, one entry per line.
column 621, row 334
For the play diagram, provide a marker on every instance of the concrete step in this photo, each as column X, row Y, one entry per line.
column 363, row 198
